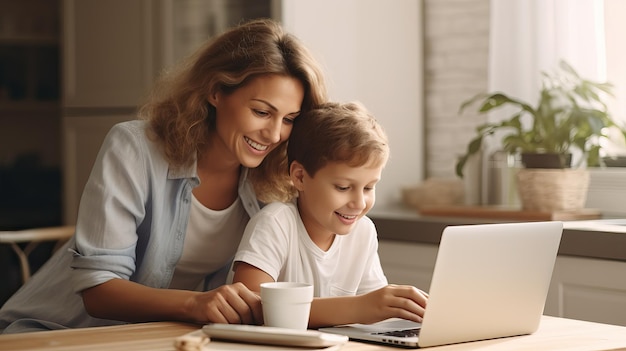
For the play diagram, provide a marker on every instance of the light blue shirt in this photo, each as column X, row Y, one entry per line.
column 131, row 225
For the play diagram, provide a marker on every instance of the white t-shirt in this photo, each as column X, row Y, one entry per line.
column 276, row 242
column 217, row 232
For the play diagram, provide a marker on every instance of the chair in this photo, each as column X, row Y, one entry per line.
column 33, row 237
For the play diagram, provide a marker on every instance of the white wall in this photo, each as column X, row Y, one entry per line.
column 372, row 52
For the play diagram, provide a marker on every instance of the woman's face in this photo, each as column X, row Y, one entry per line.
column 254, row 119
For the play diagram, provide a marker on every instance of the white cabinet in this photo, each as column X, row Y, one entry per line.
column 581, row 288
column 588, row 289
column 108, row 52
column 110, row 59
column 109, row 62
column 408, row 263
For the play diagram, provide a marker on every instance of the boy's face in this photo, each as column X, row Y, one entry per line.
column 332, row 201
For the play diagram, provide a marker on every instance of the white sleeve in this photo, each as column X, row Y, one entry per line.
column 265, row 242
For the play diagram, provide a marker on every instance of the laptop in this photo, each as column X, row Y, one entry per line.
column 489, row 281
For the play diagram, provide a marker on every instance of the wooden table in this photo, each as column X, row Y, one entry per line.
column 553, row 334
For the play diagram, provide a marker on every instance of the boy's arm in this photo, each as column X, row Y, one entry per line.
column 390, row 301
column 251, row 276
column 324, row 311
column 329, row 311
column 400, row 301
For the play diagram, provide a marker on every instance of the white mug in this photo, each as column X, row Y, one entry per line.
column 286, row 304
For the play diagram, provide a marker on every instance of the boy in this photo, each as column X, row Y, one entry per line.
column 336, row 154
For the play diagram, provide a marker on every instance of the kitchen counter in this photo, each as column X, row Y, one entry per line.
column 602, row 238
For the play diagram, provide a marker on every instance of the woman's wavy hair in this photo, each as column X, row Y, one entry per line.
column 181, row 118
column 336, row 132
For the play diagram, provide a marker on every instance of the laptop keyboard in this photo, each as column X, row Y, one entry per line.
column 406, row 333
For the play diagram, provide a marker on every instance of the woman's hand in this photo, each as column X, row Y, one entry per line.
column 234, row 304
column 401, row 301
column 120, row 299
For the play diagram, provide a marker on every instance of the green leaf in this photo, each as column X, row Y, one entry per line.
column 593, row 156
column 474, row 145
column 570, row 112
column 460, row 165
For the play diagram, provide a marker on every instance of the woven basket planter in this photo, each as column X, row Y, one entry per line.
column 550, row 190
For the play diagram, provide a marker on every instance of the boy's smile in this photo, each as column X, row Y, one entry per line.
column 335, row 198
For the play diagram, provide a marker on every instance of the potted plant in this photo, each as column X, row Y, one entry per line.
column 570, row 114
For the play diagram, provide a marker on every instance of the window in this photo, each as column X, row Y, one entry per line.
column 615, row 56
column 531, row 36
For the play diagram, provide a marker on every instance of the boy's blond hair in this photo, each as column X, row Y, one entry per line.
column 336, row 132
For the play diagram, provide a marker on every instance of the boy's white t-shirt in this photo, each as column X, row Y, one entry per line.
column 276, row 242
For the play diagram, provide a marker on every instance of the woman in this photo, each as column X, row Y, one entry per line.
column 169, row 196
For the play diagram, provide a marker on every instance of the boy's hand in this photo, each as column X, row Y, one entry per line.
column 400, row 301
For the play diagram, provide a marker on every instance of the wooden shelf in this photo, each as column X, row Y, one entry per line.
column 30, row 105
column 27, row 40
column 508, row 213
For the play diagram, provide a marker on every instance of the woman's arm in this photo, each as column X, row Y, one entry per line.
column 124, row 300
